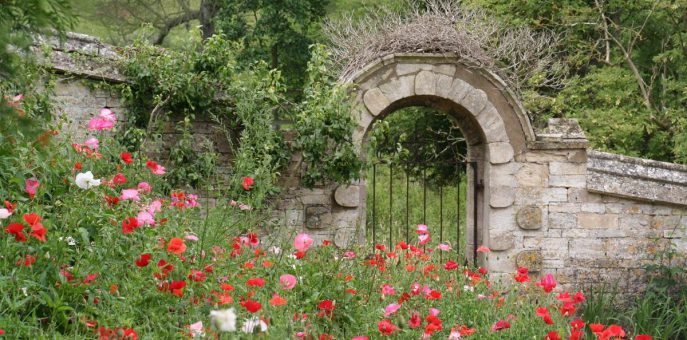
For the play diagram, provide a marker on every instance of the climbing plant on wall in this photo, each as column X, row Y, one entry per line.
column 205, row 80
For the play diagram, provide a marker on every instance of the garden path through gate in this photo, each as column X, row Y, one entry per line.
column 452, row 226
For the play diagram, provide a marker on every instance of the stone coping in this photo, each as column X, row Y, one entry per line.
column 83, row 55
column 637, row 178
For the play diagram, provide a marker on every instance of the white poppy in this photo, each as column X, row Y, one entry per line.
column 4, row 213
column 86, row 181
column 224, row 320
column 250, row 324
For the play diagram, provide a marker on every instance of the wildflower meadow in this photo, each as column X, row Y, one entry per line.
column 93, row 248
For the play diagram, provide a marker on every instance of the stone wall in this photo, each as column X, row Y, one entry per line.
column 84, row 68
column 544, row 200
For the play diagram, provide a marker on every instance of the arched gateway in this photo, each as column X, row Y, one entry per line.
column 491, row 119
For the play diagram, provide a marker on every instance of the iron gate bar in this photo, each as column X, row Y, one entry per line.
column 374, row 205
column 460, row 178
column 407, row 207
column 424, row 196
column 441, row 219
column 391, row 204
column 475, row 188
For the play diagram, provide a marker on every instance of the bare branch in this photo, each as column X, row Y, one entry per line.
column 174, row 22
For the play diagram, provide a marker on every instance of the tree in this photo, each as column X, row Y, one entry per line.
column 276, row 31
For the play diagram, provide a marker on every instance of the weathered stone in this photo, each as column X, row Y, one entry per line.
column 445, row 69
column 347, row 196
column 501, row 242
column 500, row 153
column 425, row 83
column 592, row 220
column 474, row 101
column 568, row 181
column 529, row 218
column 443, row 86
column 459, row 89
column 562, row 220
column 400, row 88
column 598, row 208
column 567, row 168
column 318, row 216
column 345, row 237
column 533, row 175
column 501, row 196
column 530, row 259
column 403, row 69
column 375, row 101
column 492, row 124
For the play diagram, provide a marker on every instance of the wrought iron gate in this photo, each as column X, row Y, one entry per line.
column 384, row 229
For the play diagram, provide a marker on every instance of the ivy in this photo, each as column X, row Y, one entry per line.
column 204, row 81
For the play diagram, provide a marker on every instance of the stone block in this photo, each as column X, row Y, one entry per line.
column 443, row 86
column 566, row 168
column 318, row 216
column 347, row 196
column 593, row 220
column 530, row 259
column 568, row 181
column 500, row 241
column 425, row 83
column 458, row 90
column 445, row 69
column 598, row 208
column 474, row 101
column 564, row 207
column 581, row 195
column 562, row 221
column 375, row 101
column 635, row 221
column 396, row 89
column 403, row 69
column 665, row 222
column 500, row 153
column 294, row 217
column 529, row 218
column 533, row 175
column 588, row 248
column 492, row 124
column 501, row 196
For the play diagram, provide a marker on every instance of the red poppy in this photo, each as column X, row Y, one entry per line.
column 31, row 218
column 251, row 305
column 111, row 200
column 326, row 308
column 543, row 312
column 127, row 158
column 143, row 260
column 38, row 231
column 16, row 229
column 196, row 275
column 255, row 282
column 450, row 265
column 499, row 325
column 414, row 321
column 27, row 261
column 386, row 327
column 119, row 179
column 89, row 278
column 176, row 246
column 129, row 225
column 247, row 183
column 553, row 335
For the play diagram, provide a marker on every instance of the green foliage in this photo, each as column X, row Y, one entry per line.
column 627, row 64
column 273, row 32
column 191, row 163
column 20, row 22
column 324, row 126
column 423, row 141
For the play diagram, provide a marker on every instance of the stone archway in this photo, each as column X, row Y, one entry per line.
column 491, row 119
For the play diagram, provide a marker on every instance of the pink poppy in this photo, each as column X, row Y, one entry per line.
column 144, row 187
column 302, row 242
column 391, row 309
column 129, row 194
column 92, row 143
column 30, row 186
column 483, row 249
column 145, row 218
column 287, row 281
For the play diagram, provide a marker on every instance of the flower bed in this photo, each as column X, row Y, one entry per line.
column 95, row 250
